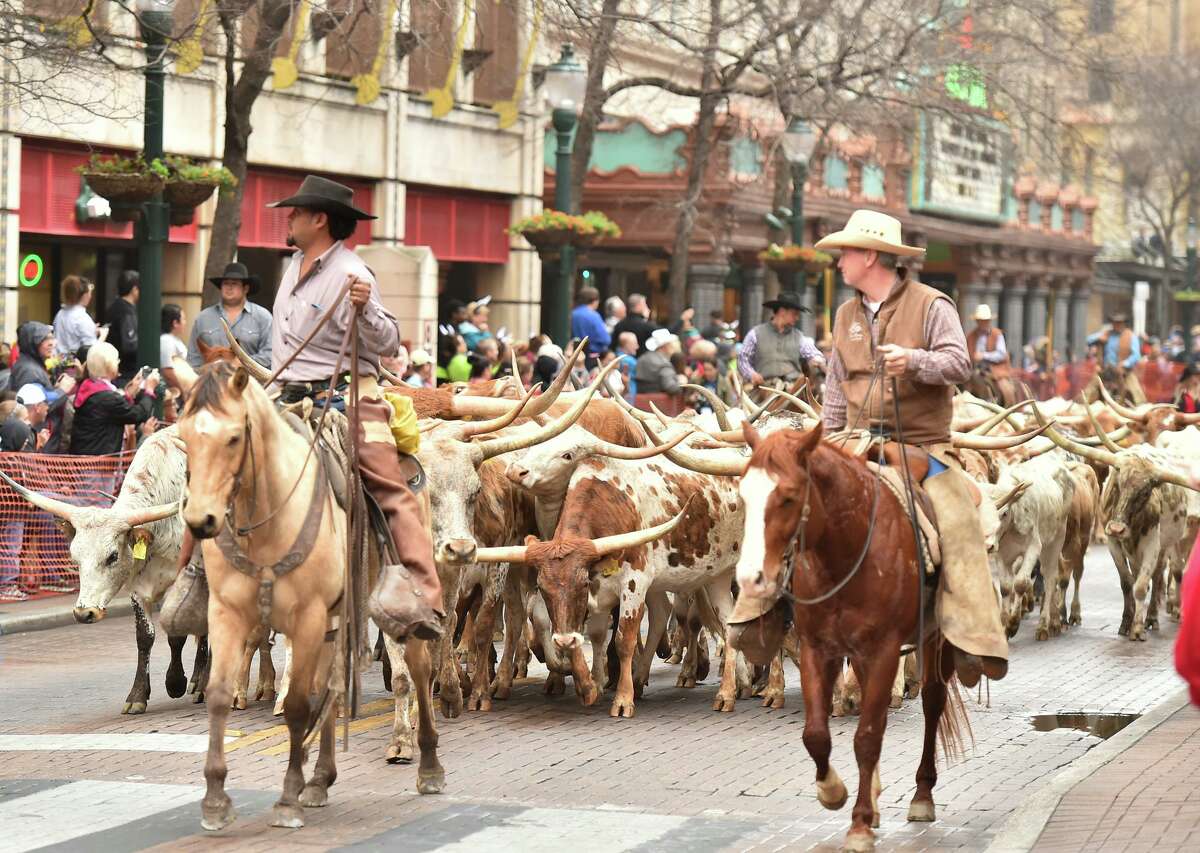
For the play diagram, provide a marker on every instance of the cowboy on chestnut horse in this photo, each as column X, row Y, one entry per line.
column 915, row 331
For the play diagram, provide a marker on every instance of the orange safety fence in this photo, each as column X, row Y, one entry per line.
column 33, row 550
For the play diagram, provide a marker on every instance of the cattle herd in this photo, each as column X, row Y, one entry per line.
column 597, row 537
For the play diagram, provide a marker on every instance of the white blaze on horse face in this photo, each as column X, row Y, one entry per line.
column 755, row 488
column 206, row 423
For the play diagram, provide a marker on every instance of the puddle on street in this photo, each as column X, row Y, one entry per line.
column 1100, row 725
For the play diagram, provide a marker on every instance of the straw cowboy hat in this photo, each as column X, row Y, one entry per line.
column 236, row 272
column 319, row 193
column 983, row 312
column 659, row 339
column 870, row 229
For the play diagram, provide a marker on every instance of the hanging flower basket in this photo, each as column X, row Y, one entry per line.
column 550, row 230
column 188, row 193
column 792, row 259
column 124, row 181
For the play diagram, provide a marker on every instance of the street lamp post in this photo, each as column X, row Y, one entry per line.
column 798, row 144
column 155, row 18
column 1190, row 284
column 566, row 83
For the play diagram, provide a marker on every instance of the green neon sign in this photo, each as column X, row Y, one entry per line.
column 31, row 270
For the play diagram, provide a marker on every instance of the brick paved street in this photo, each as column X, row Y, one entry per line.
column 541, row 773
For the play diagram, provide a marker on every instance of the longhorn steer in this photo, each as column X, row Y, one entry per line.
column 605, row 498
column 102, row 544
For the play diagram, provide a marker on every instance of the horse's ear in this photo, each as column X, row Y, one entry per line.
column 204, row 348
column 750, row 434
column 810, row 439
column 240, row 379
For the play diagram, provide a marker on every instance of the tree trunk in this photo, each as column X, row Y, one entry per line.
column 702, row 143
column 240, row 95
column 594, row 99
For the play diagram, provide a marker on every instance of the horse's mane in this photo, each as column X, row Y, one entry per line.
column 211, row 388
column 781, row 452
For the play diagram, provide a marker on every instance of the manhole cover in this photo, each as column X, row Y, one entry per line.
column 1100, row 725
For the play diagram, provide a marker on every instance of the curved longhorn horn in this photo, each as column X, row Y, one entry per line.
column 994, row 442
column 466, row 406
column 1094, row 441
column 994, row 421
column 185, row 374
column 1138, row 414
column 612, row 544
column 490, row 449
column 701, row 464
column 1096, row 454
column 516, row 368
column 617, row 451
column 53, row 506
column 753, row 412
column 1015, row 492
column 718, row 405
column 662, row 418
column 506, row 554
column 636, row 414
column 260, row 373
column 1097, row 429
column 1187, row 418
column 800, row 405
column 392, row 378
column 147, row 514
column 473, row 428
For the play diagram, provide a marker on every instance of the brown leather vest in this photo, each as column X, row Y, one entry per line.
column 993, row 336
column 925, row 410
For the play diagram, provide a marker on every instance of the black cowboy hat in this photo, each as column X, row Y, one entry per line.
column 786, row 299
column 323, row 194
column 236, row 272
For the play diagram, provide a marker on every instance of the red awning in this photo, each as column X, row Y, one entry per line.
column 49, row 187
column 458, row 226
column 266, row 227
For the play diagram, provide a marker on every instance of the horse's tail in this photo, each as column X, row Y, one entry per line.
column 954, row 726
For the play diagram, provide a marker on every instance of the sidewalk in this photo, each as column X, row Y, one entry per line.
column 1147, row 798
column 49, row 612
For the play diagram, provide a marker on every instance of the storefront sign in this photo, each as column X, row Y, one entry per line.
column 31, row 270
column 960, row 167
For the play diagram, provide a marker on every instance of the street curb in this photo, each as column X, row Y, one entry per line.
column 56, row 618
column 1024, row 826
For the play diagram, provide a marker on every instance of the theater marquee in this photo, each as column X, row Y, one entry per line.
column 961, row 167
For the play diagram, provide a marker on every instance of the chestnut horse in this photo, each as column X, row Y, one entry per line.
column 856, row 594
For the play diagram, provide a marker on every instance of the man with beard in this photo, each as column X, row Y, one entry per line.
column 250, row 323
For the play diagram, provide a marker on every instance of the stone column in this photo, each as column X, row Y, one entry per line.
column 1035, row 309
column 970, row 297
column 751, row 311
column 706, row 289
column 810, row 298
column 1062, row 318
column 1081, row 297
column 1012, row 314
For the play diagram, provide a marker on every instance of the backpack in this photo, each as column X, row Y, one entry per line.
column 60, row 419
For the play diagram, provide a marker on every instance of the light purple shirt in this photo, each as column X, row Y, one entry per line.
column 299, row 305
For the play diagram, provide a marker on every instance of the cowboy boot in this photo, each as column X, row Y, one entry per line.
column 967, row 609
column 184, row 609
column 407, row 599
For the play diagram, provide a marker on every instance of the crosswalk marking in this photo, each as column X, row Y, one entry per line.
column 138, row 742
column 555, row 830
column 77, row 809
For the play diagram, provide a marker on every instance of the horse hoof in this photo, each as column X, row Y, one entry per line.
column 724, row 704
column 831, row 793
column 399, row 753
column 287, row 817
column 176, row 682
column 861, row 841
column 622, row 708
column 314, row 796
column 431, row 783
column 134, row 708
column 219, row 817
column 921, row 811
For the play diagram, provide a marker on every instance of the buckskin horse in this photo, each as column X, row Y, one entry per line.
column 855, row 593
column 248, row 475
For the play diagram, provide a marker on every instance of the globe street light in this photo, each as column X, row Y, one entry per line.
column 798, row 144
column 566, row 82
column 156, row 21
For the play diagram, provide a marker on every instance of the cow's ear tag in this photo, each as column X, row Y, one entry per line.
column 140, row 547
column 609, row 567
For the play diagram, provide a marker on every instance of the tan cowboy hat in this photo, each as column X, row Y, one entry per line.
column 870, row 229
column 983, row 312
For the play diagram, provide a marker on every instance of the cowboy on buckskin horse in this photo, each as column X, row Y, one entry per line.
column 407, row 600
column 915, row 331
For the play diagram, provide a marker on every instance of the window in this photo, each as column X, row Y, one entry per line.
column 1099, row 86
column 1100, row 16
